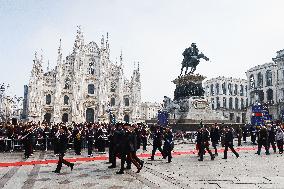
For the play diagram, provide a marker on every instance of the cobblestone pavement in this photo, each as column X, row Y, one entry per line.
column 248, row 171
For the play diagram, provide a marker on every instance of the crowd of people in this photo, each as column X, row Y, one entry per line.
column 123, row 140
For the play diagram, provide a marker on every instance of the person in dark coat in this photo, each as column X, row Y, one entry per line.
column 245, row 133
column 90, row 139
column 62, row 146
column 27, row 141
column 122, row 147
column 77, row 136
column 204, row 144
column 253, row 134
column 112, row 145
column 229, row 138
column 168, row 145
column 144, row 136
column 215, row 137
column 271, row 137
column 132, row 148
column 239, row 132
column 263, row 140
column 157, row 142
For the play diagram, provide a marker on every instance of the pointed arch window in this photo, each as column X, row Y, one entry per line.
column 48, row 99
column 91, row 89
column 66, row 100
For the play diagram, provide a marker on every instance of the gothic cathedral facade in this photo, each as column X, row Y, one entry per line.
column 84, row 87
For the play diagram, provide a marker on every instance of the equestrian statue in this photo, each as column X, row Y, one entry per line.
column 191, row 58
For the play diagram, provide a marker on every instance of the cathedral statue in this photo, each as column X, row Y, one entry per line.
column 191, row 58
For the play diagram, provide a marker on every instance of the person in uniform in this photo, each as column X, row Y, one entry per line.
column 168, row 145
column 27, row 141
column 229, row 138
column 271, row 137
column 144, row 136
column 279, row 139
column 204, row 144
column 90, row 139
column 62, row 146
column 215, row 137
column 263, row 140
column 112, row 146
column 239, row 132
column 77, row 140
column 122, row 147
column 157, row 142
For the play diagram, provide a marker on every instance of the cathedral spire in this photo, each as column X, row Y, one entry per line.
column 47, row 66
column 59, row 48
column 120, row 57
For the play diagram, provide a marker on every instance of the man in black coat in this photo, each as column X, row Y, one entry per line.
column 90, row 139
column 113, row 134
column 215, row 137
column 27, row 141
column 271, row 137
column 157, row 142
column 122, row 147
column 229, row 138
column 62, row 146
column 204, row 144
column 263, row 140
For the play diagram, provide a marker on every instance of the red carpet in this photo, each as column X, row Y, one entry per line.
column 101, row 158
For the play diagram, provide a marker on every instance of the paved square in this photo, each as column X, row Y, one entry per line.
column 248, row 171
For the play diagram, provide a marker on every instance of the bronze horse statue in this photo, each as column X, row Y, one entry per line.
column 192, row 61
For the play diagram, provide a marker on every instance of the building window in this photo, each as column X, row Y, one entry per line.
column 268, row 78
column 224, row 102
column 236, row 103
column 224, row 88
column 91, row 69
column 246, row 91
column 126, row 102
column 241, row 90
column 91, row 89
column 112, row 87
column 66, row 100
column 251, row 81
column 217, row 88
column 259, row 79
column 212, row 103
column 242, row 104
column 218, row 102
column 67, row 83
column 231, row 116
column 48, row 99
column 230, row 88
column 212, row 89
column 269, row 94
column 236, row 89
column 112, row 101
column 230, row 103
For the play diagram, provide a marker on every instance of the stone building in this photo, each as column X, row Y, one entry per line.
column 149, row 110
column 266, row 85
column 228, row 95
column 85, row 86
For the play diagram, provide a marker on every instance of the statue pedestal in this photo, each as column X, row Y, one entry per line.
column 188, row 85
column 193, row 107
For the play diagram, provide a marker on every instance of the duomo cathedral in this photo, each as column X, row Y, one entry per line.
column 84, row 86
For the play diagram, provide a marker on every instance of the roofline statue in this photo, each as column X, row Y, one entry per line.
column 191, row 58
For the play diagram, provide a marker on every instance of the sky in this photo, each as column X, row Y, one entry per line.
column 235, row 34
